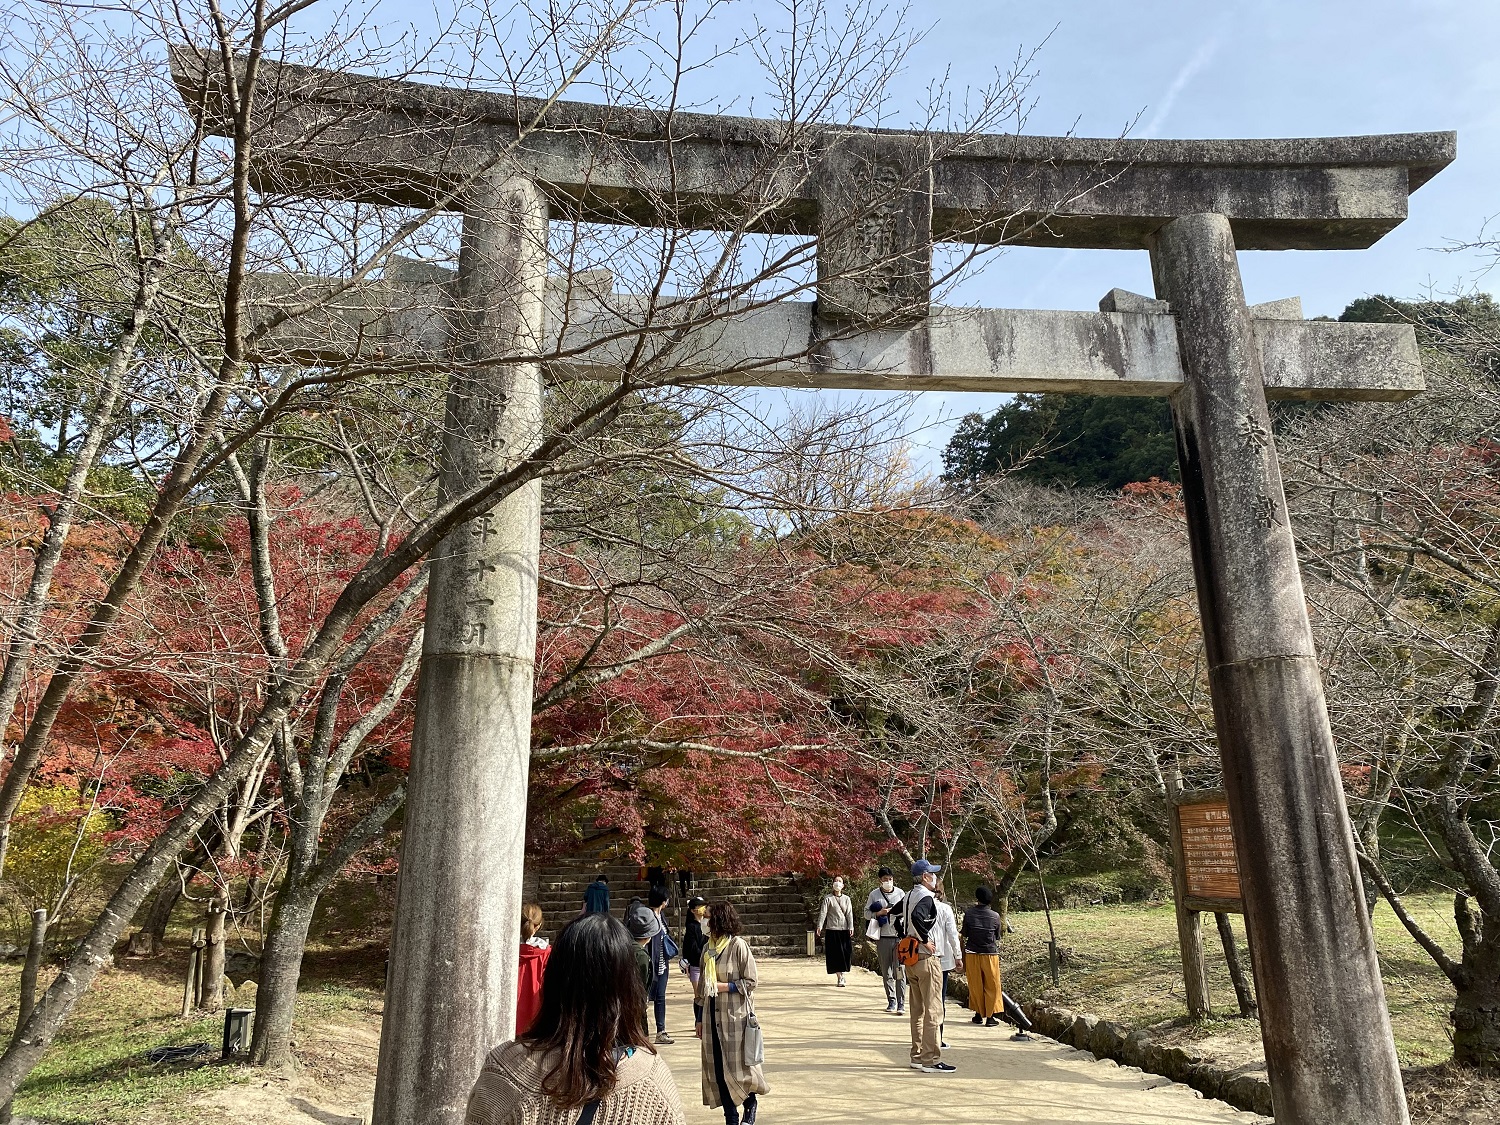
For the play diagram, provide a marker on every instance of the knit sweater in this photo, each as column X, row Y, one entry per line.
column 509, row 1092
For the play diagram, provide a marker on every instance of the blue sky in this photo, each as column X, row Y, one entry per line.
column 1246, row 68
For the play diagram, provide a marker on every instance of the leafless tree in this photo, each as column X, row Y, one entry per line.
column 194, row 389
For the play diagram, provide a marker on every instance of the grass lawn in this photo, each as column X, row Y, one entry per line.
column 97, row 1072
column 1122, row 962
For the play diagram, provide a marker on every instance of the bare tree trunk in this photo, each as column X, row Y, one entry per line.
column 280, row 970
column 159, row 913
column 213, row 950
column 286, row 940
column 29, row 974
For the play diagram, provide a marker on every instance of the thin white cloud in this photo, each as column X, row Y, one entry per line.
column 1201, row 58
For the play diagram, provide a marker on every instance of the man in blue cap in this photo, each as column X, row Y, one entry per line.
column 924, row 979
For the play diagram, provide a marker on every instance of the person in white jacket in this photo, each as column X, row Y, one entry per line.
column 950, row 948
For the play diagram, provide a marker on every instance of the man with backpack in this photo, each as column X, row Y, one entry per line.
column 884, row 921
column 917, row 952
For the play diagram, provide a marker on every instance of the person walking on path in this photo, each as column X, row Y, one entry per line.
column 726, row 989
column 694, row 938
column 884, row 927
column 586, row 1053
column 663, row 950
column 924, row 975
column 950, row 950
column 981, row 935
column 596, row 896
column 535, row 952
column 836, row 928
column 644, row 925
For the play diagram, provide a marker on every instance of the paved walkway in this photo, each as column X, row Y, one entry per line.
column 833, row 1057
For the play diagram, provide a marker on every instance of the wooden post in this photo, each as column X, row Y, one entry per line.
column 451, row 986
column 1242, row 993
column 1324, row 1021
column 1190, row 935
column 1189, row 928
column 189, row 994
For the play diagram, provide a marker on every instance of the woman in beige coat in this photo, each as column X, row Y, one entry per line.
column 726, row 989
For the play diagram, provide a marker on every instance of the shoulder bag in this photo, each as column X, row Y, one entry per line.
column 754, row 1046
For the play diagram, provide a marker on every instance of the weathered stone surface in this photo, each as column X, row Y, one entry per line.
column 874, row 200
column 1124, row 301
column 1310, row 935
column 1134, row 1050
column 1107, row 1039
column 1288, row 308
column 1081, row 1033
column 389, row 323
column 451, row 988
column 355, row 137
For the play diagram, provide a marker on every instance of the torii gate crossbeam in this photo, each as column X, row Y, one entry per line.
column 877, row 201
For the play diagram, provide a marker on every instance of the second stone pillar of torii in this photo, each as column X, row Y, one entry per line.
column 1323, row 1014
column 451, row 987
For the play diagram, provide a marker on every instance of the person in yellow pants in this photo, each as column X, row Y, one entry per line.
column 981, row 940
column 924, row 979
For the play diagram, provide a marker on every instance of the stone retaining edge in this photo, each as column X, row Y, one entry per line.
column 1244, row 1087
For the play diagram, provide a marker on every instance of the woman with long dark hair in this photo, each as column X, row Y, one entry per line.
column 726, row 986
column 586, row 1057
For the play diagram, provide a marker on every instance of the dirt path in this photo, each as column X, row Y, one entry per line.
column 832, row 1056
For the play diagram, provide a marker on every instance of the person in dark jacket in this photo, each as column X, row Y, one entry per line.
column 643, row 925
column 596, row 896
column 694, row 938
column 981, row 939
column 661, row 963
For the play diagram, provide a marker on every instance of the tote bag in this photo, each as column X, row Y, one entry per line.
column 754, row 1051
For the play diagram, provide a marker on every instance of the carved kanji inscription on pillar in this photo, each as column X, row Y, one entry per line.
column 875, row 230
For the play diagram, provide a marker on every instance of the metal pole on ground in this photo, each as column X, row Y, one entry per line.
column 1324, row 1020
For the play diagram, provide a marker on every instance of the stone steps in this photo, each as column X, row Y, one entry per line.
column 772, row 910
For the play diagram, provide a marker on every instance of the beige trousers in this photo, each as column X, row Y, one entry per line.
column 924, row 983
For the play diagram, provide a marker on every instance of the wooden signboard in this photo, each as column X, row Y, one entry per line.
column 1211, row 875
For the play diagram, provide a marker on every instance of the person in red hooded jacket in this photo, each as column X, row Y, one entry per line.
column 535, row 950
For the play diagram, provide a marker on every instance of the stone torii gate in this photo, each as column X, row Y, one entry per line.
column 1191, row 204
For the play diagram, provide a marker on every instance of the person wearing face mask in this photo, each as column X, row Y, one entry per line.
column 925, row 977
column 836, row 928
column 885, row 929
column 694, row 938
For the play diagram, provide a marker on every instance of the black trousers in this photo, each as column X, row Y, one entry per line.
column 725, row 1099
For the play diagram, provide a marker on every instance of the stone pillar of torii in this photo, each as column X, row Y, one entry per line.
column 877, row 201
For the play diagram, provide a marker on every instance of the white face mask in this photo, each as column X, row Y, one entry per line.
column 887, row 885
column 838, row 886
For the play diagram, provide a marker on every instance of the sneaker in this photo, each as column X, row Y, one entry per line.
column 1022, row 1037
column 899, row 1012
column 944, row 1046
column 977, row 1018
column 664, row 1039
column 993, row 1021
column 917, row 1066
column 938, row 1068
column 890, row 1009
